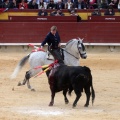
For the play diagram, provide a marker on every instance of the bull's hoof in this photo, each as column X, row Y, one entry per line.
column 85, row 105
column 19, row 84
column 50, row 104
column 66, row 101
column 74, row 105
column 69, row 93
column 33, row 90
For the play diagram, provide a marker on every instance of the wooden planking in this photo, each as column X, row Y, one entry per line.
column 106, row 18
column 34, row 32
column 108, row 32
column 42, row 18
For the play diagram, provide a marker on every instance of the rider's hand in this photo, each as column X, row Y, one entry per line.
column 59, row 45
column 41, row 47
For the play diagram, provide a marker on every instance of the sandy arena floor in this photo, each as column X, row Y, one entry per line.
column 19, row 103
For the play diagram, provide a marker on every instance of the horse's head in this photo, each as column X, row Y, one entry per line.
column 76, row 48
column 81, row 48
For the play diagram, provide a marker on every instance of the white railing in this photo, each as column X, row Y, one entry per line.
column 87, row 44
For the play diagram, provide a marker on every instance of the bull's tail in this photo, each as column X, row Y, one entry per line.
column 93, row 94
column 92, row 89
column 19, row 66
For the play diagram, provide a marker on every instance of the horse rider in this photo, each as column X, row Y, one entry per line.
column 53, row 41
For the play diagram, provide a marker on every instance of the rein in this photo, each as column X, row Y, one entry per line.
column 69, row 53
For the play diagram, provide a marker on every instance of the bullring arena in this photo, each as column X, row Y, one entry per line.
column 19, row 103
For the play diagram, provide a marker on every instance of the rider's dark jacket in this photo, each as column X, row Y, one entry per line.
column 51, row 40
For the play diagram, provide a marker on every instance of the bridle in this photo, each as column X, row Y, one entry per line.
column 69, row 53
column 81, row 48
column 77, row 48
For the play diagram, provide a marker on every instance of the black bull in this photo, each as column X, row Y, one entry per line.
column 71, row 78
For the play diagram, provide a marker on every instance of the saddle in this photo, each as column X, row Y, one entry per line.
column 50, row 56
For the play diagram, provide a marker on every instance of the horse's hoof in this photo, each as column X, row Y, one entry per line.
column 33, row 90
column 19, row 84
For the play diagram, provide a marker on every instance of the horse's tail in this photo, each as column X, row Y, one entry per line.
column 19, row 66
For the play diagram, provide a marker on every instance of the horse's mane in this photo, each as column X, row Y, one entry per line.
column 69, row 42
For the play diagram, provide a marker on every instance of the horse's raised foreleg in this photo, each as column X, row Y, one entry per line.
column 65, row 97
column 24, row 81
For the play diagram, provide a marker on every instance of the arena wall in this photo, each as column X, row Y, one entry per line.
column 34, row 32
column 17, row 35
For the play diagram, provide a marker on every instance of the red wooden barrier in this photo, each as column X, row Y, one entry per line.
column 104, row 18
column 34, row 32
column 42, row 19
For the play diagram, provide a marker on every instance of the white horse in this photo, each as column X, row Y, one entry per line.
column 73, row 50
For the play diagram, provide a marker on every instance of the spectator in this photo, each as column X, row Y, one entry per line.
column 60, row 5
column 27, row 1
column 74, row 1
column 43, row 12
column 80, row 4
column 7, row 4
column 119, row 5
column 73, row 13
column 19, row 1
column 114, row 4
column 47, row 1
column 92, row 4
column 57, row 13
column 23, row 5
column 33, row 5
column 1, row 4
column 69, row 5
column 103, row 4
column 64, row 1
column 55, row 1
column 51, row 5
column 109, row 11
column 14, row 4
column 96, row 12
column 42, row 4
